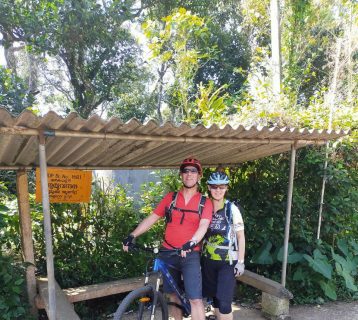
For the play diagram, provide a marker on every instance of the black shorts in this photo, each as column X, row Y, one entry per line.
column 218, row 280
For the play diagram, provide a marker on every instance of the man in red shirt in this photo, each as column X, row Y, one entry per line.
column 188, row 217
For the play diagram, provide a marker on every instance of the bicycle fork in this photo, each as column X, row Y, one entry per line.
column 155, row 290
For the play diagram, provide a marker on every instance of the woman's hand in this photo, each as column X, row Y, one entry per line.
column 239, row 269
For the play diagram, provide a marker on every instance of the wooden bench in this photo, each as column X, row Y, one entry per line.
column 64, row 309
column 275, row 297
column 95, row 290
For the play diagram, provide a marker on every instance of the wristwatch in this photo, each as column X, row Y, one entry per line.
column 240, row 261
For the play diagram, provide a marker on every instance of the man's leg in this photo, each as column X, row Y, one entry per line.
column 174, row 311
column 193, row 284
column 197, row 309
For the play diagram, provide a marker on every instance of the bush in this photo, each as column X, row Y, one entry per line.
column 13, row 300
column 317, row 270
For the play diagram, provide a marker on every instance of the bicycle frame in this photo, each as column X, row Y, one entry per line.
column 162, row 267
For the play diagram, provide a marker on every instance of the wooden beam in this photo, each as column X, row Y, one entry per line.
column 97, row 290
column 26, row 237
column 264, row 284
column 64, row 309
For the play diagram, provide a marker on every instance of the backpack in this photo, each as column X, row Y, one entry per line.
column 172, row 206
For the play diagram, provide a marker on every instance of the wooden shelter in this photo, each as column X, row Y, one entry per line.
column 28, row 141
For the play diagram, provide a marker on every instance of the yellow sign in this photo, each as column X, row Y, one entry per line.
column 66, row 186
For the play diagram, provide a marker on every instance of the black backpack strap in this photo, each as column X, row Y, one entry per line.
column 201, row 205
column 228, row 212
column 169, row 210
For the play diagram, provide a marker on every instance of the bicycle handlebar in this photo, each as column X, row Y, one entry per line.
column 134, row 247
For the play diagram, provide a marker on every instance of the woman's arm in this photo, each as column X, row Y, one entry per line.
column 241, row 243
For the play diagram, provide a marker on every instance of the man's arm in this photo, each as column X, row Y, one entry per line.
column 144, row 226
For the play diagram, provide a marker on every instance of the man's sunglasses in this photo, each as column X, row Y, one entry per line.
column 221, row 187
column 187, row 170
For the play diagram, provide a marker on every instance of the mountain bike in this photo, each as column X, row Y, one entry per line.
column 148, row 302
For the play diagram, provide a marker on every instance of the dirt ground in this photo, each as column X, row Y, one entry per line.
column 328, row 311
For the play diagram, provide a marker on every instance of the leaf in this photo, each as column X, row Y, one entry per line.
column 347, row 277
column 343, row 246
column 263, row 255
column 329, row 289
column 319, row 265
column 292, row 256
column 354, row 246
column 348, row 264
column 299, row 275
column 3, row 208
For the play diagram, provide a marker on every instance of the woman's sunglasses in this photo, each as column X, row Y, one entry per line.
column 221, row 187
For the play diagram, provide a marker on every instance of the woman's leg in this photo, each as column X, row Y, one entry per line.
column 174, row 311
column 225, row 291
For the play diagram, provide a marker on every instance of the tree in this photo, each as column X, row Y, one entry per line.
column 174, row 44
column 224, row 22
column 91, row 38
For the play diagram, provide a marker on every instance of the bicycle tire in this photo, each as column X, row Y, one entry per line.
column 132, row 308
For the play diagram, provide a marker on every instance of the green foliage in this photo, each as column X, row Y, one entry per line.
column 88, row 238
column 321, row 270
column 211, row 105
column 12, row 288
column 100, row 55
column 14, row 94
column 13, row 299
column 174, row 41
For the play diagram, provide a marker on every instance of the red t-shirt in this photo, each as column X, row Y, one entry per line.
column 175, row 233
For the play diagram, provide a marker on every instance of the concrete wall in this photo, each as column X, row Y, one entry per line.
column 132, row 179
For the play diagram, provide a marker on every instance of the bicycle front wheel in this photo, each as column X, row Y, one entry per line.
column 140, row 304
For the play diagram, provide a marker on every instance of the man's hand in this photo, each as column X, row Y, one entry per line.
column 239, row 269
column 127, row 242
column 188, row 247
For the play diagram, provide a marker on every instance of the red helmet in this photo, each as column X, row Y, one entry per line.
column 191, row 162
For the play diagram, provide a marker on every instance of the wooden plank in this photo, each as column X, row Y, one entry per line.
column 64, row 309
column 97, row 290
column 265, row 284
column 126, row 285
column 26, row 237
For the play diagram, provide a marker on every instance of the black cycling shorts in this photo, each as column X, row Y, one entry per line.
column 218, row 280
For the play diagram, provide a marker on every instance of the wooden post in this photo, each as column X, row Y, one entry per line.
column 288, row 214
column 26, row 236
column 47, row 229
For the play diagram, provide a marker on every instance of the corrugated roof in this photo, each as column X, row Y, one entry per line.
column 111, row 144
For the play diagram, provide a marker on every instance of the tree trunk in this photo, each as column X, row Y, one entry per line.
column 276, row 47
column 161, row 74
column 9, row 53
column 331, row 102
